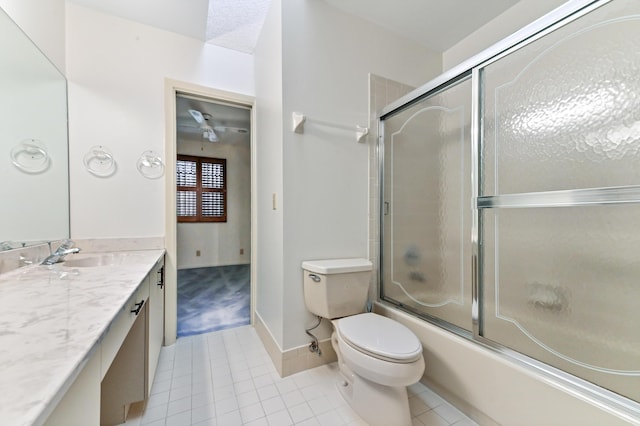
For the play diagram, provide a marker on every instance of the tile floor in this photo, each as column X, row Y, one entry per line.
column 226, row 378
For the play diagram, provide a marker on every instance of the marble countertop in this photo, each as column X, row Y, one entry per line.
column 51, row 321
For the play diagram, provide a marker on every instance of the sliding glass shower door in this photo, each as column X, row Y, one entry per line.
column 427, row 205
column 517, row 224
column 560, row 198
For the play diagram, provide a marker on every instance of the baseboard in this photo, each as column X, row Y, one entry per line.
column 217, row 265
column 301, row 358
column 270, row 344
column 293, row 360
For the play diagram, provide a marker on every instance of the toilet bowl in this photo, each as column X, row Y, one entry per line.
column 378, row 358
column 380, row 349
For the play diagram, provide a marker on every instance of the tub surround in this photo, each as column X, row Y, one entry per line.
column 52, row 319
column 492, row 389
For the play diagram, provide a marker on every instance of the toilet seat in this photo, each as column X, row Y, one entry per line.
column 379, row 337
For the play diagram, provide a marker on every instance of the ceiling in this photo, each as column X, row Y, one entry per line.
column 436, row 24
column 236, row 24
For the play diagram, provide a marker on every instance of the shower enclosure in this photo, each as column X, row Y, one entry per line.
column 510, row 200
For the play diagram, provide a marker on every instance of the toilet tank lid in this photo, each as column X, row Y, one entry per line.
column 337, row 266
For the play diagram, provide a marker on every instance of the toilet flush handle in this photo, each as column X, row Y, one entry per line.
column 314, row 277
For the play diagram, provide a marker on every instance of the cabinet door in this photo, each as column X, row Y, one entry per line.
column 156, row 319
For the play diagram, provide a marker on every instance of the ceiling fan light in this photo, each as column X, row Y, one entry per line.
column 210, row 135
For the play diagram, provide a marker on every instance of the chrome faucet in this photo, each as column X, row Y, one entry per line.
column 58, row 256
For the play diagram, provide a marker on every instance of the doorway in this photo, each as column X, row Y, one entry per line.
column 213, row 212
column 209, row 215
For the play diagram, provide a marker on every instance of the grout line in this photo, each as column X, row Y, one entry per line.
column 308, row 397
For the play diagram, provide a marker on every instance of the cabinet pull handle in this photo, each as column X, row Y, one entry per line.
column 160, row 278
column 138, row 307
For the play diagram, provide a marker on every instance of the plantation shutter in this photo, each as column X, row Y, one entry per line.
column 201, row 189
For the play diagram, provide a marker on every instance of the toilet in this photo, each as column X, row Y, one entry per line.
column 377, row 356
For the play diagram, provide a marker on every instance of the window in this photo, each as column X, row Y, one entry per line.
column 201, row 189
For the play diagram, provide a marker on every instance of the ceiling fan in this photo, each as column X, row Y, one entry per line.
column 241, row 130
column 201, row 119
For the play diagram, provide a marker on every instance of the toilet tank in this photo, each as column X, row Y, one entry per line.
column 336, row 288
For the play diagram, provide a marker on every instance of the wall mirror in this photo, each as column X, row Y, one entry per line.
column 34, row 173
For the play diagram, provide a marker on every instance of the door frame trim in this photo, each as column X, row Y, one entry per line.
column 172, row 88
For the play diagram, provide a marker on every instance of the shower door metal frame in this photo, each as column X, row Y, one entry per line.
column 383, row 211
column 609, row 401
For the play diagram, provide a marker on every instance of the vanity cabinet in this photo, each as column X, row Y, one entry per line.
column 155, row 320
column 122, row 367
column 81, row 404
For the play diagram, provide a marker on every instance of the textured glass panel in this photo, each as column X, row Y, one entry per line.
column 186, row 203
column 426, row 246
column 212, row 204
column 213, row 175
column 562, row 286
column 564, row 111
column 186, row 173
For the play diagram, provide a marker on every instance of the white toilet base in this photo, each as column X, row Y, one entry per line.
column 376, row 404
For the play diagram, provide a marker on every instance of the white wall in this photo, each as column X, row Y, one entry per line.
column 116, row 71
column 220, row 243
column 327, row 56
column 269, row 125
column 505, row 24
column 44, row 23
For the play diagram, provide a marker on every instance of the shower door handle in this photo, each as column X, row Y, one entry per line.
column 386, row 208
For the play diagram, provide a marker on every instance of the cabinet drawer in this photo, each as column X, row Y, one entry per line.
column 121, row 325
